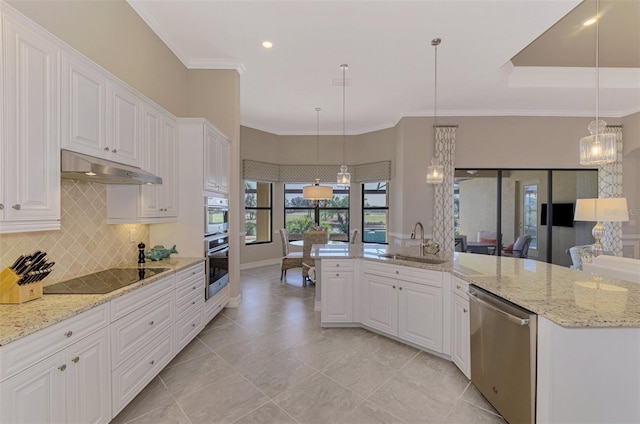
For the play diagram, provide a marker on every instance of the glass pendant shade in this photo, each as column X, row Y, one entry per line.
column 317, row 192
column 599, row 148
column 344, row 177
column 435, row 173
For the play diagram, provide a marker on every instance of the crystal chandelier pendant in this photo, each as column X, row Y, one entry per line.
column 435, row 173
column 344, row 177
column 599, row 148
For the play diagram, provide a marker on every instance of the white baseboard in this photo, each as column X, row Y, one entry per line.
column 258, row 264
column 234, row 302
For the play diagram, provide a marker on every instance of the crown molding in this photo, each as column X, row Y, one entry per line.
column 207, row 63
column 559, row 77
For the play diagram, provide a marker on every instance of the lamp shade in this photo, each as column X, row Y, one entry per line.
column 317, row 192
column 610, row 209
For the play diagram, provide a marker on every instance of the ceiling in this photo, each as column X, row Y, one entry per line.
column 387, row 45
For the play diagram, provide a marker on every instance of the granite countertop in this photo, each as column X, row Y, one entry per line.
column 567, row 297
column 20, row 320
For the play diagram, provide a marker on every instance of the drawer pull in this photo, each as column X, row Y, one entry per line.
column 193, row 288
column 62, row 367
column 114, row 151
column 151, row 323
column 397, row 272
column 1, row 206
column 153, row 361
column 68, row 333
column 193, row 273
column 394, row 287
column 464, row 310
column 193, row 303
column 16, row 206
column 75, row 360
column 400, row 288
column 337, row 265
column 337, row 275
column 193, row 325
column 106, row 149
column 458, row 286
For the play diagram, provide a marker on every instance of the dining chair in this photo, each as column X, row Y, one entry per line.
column 520, row 247
column 353, row 235
column 289, row 259
column 309, row 239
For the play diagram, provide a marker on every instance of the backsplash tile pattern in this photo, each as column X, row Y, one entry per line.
column 86, row 243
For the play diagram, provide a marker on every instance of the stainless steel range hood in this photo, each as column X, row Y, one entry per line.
column 77, row 166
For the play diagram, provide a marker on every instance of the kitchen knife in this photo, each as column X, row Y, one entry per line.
column 15, row 264
column 37, row 262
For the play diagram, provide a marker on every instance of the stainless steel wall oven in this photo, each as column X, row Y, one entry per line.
column 216, row 216
column 217, row 255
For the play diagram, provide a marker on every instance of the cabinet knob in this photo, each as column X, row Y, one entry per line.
column 193, row 273
column 464, row 310
column 151, row 323
column 193, row 303
column 337, row 265
column 62, row 367
column 397, row 272
column 193, row 325
column 153, row 361
column 114, row 151
column 16, row 206
column 1, row 206
column 106, row 149
column 458, row 286
column 69, row 333
column 75, row 360
column 337, row 275
column 193, row 288
column 400, row 288
column 394, row 287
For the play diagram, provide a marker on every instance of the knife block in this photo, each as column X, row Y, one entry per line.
column 12, row 292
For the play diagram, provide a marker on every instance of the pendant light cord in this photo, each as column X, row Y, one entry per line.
column 318, row 136
column 597, row 59
column 344, row 90
column 435, row 86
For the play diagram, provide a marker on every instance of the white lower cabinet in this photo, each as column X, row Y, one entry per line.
column 337, row 288
column 405, row 303
column 71, row 386
column 460, row 335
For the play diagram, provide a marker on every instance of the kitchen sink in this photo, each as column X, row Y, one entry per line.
column 421, row 259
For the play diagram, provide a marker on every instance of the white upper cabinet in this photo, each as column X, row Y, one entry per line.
column 29, row 144
column 84, row 101
column 100, row 116
column 216, row 161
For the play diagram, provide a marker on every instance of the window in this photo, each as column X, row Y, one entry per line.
column 375, row 212
column 257, row 212
column 300, row 215
column 530, row 213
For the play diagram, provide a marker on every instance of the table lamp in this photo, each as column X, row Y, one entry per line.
column 610, row 209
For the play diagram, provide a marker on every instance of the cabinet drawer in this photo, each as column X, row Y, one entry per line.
column 459, row 287
column 331, row 265
column 132, row 301
column 189, row 326
column 189, row 272
column 135, row 330
column 188, row 296
column 29, row 350
column 416, row 275
column 133, row 375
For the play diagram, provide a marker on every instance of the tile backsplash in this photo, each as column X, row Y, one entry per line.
column 86, row 243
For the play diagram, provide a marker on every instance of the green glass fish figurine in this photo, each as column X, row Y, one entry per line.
column 158, row 252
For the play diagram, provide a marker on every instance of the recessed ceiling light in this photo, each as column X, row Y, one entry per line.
column 267, row 44
column 589, row 21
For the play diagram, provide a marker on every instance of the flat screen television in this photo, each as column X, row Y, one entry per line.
column 562, row 214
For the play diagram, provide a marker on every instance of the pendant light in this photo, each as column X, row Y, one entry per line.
column 344, row 177
column 317, row 192
column 598, row 148
column 435, row 172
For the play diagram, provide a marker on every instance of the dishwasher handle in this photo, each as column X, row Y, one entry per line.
column 512, row 318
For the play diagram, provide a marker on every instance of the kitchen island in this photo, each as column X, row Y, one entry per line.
column 588, row 326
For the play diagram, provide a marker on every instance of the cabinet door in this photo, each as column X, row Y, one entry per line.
column 150, row 199
column 210, row 159
column 31, row 140
column 420, row 314
column 380, row 303
column 223, row 165
column 169, row 173
column 83, row 104
column 89, row 379
column 460, row 337
column 337, row 296
column 36, row 395
column 123, row 125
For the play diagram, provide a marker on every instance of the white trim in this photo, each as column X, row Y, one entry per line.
column 212, row 63
column 234, row 302
column 258, row 264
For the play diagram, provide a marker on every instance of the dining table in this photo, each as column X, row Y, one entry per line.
column 481, row 247
column 301, row 242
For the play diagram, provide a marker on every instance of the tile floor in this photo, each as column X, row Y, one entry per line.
column 269, row 361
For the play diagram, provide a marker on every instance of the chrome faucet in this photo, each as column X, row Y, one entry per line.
column 413, row 236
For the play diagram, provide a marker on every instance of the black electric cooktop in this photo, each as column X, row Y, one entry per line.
column 102, row 282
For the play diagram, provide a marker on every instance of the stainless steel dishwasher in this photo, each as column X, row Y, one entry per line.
column 503, row 355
